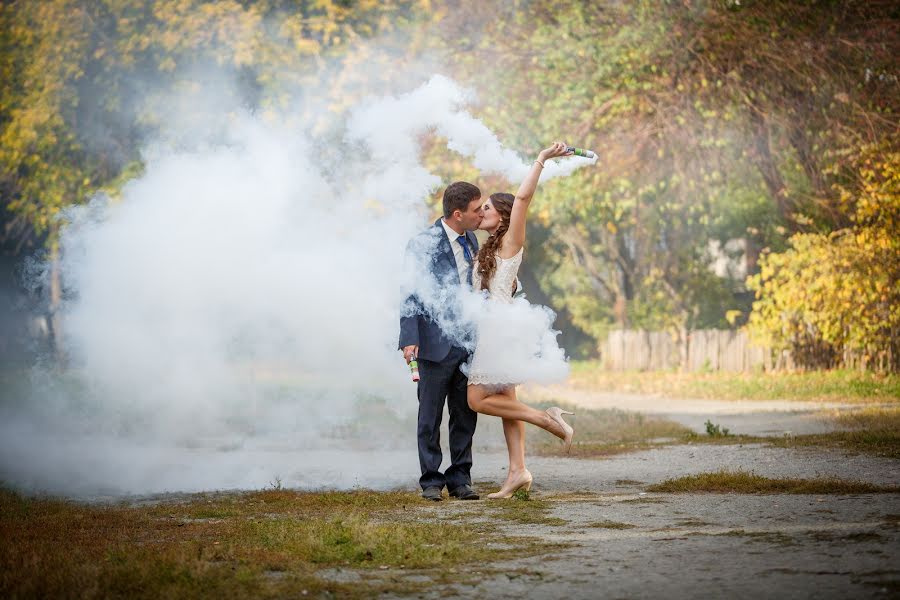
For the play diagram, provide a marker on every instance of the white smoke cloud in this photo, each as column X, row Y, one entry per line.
column 440, row 105
column 234, row 315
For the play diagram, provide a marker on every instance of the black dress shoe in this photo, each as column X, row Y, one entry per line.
column 464, row 492
column 432, row 493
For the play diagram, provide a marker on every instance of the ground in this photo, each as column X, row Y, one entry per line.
column 593, row 526
column 623, row 542
column 626, row 543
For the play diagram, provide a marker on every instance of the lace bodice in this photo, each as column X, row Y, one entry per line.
column 502, row 282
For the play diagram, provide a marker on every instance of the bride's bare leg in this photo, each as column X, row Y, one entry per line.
column 504, row 404
column 518, row 476
column 514, row 432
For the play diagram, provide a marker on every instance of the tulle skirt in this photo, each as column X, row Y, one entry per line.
column 515, row 343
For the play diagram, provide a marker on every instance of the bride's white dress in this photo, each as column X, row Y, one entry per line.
column 516, row 340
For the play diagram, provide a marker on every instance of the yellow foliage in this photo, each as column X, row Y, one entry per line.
column 841, row 291
column 48, row 46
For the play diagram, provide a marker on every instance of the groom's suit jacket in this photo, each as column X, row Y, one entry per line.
column 417, row 325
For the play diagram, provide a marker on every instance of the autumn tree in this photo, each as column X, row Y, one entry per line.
column 86, row 83
column 715, row 121
column 834, row 298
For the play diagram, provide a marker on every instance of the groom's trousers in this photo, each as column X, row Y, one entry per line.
column 439, row 381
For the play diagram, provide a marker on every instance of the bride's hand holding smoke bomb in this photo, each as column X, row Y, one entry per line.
column 554, row 151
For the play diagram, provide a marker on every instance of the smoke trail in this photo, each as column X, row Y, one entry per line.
column 440, row 104
column 233, row 316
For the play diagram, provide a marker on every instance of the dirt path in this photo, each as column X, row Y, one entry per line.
column 625, row 543
column 708, row 546
column 750, row 417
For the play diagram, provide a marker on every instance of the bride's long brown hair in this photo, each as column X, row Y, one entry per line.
column 487, row 254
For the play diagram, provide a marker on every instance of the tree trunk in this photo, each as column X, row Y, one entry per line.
column 769, row 170
column 609, row 287
column 55, row 308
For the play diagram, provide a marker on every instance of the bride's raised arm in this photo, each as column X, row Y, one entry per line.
column 515, row 235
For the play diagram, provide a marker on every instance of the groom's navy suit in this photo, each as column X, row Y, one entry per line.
column 440, row 355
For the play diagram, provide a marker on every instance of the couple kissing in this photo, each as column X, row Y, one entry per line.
column 509, row 342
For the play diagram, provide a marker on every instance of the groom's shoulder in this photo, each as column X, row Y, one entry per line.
column 427, row 239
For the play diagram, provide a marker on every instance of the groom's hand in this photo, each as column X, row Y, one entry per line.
column 410, row 352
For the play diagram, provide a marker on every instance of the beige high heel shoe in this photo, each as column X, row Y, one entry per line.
column 510, row 488
column 556, row 414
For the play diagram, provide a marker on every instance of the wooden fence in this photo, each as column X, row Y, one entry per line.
column 707, row 349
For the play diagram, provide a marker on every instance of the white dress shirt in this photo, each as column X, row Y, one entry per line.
column 462, row 265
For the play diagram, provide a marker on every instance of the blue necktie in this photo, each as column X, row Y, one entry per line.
column 465, row 246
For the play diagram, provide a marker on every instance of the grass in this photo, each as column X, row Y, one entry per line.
column 714, row 430
column 876, row 443
column 607, row 524
column 688, row 522
column 874, row 431
column 782, row 539
column 855, row 537
column 644, row 500
column 262, row 544
column 608, row 432
column 868, row 418
column 742, row 482
column 523, row 509
column 769, row 537
column 836, row 385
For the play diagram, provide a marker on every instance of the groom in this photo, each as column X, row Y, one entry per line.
column 440, row 353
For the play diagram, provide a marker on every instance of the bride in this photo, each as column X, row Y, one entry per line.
column 496, row 367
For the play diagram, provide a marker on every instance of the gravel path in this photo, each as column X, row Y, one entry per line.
column 669, row 546
column 708, row 546
column 750, row 417
column 553, row 475
column 697, row 545
column 692, row 545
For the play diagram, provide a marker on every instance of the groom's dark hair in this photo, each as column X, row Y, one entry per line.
column 458, row 195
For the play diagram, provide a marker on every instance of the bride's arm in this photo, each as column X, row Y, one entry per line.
column 515, row 235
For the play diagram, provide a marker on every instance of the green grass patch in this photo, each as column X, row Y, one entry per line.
column 599, row 433
column 715, row 430
column 876, row 443
column 874, row 431
column 857, row 537
column 611, row 431
column 836, row 385
column 253, row 545
column 688, row 522
column 524, row 510
column 768, row 537
column 611, row 525
column 872, row 419
column 742, row 482
column 644, row 500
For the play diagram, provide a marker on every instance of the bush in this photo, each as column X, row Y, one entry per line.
column 834, row 298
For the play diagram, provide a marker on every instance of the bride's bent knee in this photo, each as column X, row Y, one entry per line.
column 474, row 399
